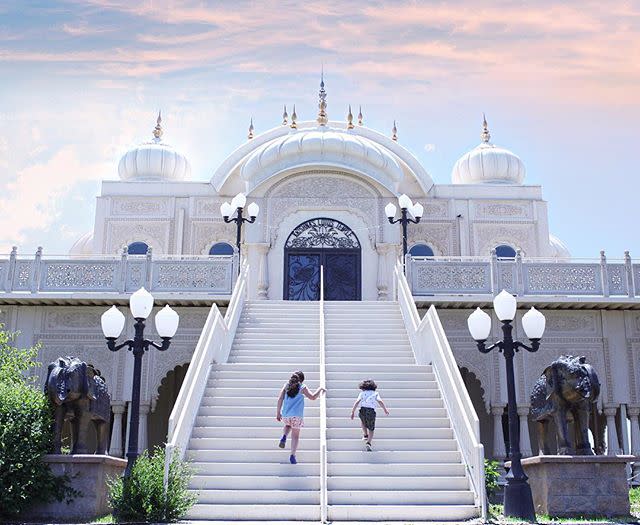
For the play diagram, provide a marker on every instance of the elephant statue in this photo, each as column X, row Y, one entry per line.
column 567, row 391
column 78, row 392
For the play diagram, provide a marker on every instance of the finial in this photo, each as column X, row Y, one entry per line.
column 322, row 105
column 285, row 116
column 360, row 116
column 294, row 117
column 349, row 119
column 250, row 135
column 485, row 135
column 157, row 131
column 394, row 132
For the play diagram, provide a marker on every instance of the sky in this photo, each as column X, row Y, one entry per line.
column 82, row 82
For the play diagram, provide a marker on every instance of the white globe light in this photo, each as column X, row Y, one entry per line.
column 505, row 306
column 112, row 322
column 405, row 202
column 167, row 321
column 253, row 209
column 239, row 201
column 141, row 303
column 534, row 324
column 226, row 210
column 390, row 210
column 417, row 211
column 479, row 324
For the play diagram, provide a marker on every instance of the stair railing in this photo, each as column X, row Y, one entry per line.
column 323, row 410
column 431, row 346
column 213, row 346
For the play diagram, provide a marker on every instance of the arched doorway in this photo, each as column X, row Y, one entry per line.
column 158, row 421
column 328, row 243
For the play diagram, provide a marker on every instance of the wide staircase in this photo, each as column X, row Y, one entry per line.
column 241, row 473
column 415, row 472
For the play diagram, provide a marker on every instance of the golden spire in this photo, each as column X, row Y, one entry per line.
column 485, row 135
column 285, row 116
column 294, row 117
column 322, row 105
column 360, row 116
column 157, row 131
column 394, row 132
column 250, row 135
column 349, row 119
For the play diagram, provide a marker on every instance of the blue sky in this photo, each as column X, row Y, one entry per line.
column 83, row 81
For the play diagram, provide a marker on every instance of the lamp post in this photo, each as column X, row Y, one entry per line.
column 140, row 304
column 237, row 206
column 518, row 502
column 406, row 208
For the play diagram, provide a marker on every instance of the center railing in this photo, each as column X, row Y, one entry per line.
column 323, row 409
column 430, row 346
column 213, row 346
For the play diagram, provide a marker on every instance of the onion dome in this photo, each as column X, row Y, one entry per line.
column 557, row 248
column 488, row 163
column 154, row 161
column 83, row 246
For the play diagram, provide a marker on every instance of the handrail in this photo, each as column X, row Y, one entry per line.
column 213, row 346
column 323, row 410
column 430, row 346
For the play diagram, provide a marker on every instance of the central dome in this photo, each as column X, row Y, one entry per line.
column 488, row 163
column 322, row 145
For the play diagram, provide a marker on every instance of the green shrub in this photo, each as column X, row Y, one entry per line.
column 141, row 496
column 25, row 434
column 491, row 475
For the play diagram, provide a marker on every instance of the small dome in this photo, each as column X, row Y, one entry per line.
column 154, row 161
column 558, row 249
column 83, row 246
column 488, row 163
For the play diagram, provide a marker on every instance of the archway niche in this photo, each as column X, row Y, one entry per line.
column 476, row 393
column 158, row 422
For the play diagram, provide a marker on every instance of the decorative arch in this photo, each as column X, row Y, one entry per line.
column 505, row 251
column 164, row 397
column 222, row 248
column 421, row 249
column 138, row 248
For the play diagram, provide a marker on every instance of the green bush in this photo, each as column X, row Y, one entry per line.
column 25, row 434
column 491, row 475
column 141, row 496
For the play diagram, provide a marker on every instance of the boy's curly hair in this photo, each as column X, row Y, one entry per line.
column 368, row 384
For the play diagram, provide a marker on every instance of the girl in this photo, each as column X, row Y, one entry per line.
column 368, row 400
column 291, row 410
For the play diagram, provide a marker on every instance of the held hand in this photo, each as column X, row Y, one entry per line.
column 278, row 416
column 386, row 411
column 352, row 415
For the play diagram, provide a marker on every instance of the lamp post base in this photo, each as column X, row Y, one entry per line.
column 518, row 501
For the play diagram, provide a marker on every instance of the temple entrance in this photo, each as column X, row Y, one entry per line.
column 327, row 243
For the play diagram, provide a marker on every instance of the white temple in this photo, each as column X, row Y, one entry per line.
column 322, row 187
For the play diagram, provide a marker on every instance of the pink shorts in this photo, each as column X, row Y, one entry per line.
column 293, row 421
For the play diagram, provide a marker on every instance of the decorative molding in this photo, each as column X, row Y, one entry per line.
column 504, row 209
column 145, row 207
column 205, row 234
column 439, row 235
column 488, row 235
column 156, row 234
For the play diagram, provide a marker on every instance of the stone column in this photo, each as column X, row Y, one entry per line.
column 499, row 452
column 143, row 439
column 383, row 271
column 115, row 447
column 263, row 270
column 634, row 412
column 525, row 440
column 613, row 447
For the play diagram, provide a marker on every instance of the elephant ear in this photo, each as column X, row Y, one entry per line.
column 549, row 383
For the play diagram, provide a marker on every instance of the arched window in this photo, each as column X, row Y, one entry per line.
column 221, row 248
column 421, row 250
column 504, row 251
column 138, row 248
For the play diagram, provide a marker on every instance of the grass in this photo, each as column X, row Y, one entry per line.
column 496, row 515
column 105, row 519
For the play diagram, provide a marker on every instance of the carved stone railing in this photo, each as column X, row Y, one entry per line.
column 429, row 276
column 121, row 274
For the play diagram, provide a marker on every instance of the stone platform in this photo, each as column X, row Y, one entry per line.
column 570, row 486
column 88, row 474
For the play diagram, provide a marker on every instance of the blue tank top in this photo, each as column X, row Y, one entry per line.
column 293, row 406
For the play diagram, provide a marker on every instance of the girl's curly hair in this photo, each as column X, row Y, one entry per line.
column 293, row 386
column 368, row 384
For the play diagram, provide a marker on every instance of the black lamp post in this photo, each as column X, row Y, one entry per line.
column 406, row 208
column 237, row 206
column 140, row 304
column 518, row 501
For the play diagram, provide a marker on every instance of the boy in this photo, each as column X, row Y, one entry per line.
column 368, row 399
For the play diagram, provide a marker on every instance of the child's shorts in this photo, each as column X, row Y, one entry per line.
column 293, row 421
column 368, row 417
